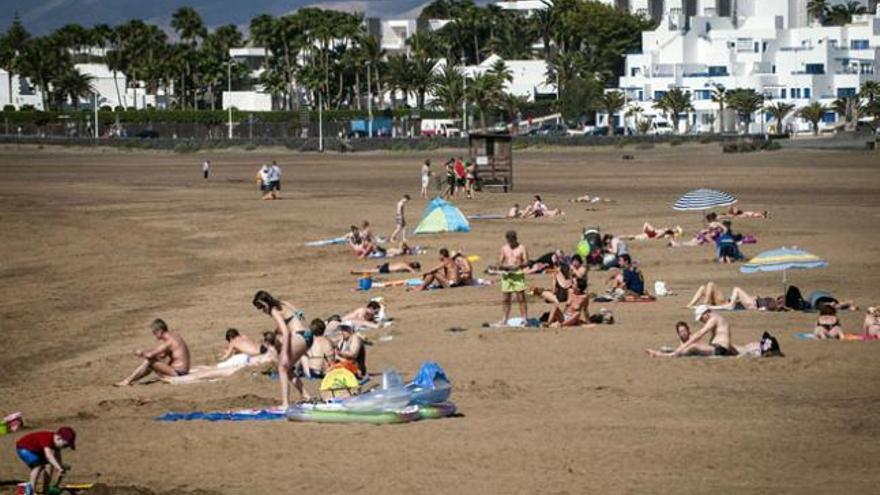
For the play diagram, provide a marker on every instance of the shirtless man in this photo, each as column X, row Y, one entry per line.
column 464, row 267
column 719, row 341
column 512, row 260
column 576, row 311
column 514, row 211
column 239, row 349
column 319, row 357
column 364, row 317
column 426, row 178
column 169, row 358
column 734, row 212
column 768, row 346
column 445, row 274
column 711, row 296
column 400, row 220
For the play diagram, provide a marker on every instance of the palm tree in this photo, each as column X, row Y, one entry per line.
column 814, row 112
column 818, row 9
column 611, row 102
column 485, row 91
column 189, row 26
column 74, row 84
column 745, row 102
column 779, row 111
column 870, row 91
column 421, row 77
column 11, row 46
column 545, row 23
column 399, row 70
column 634, row 112
column 675, row 102
column 719, row 96
column 849, row 108
column 839, row 15
column 448, row 89
column 42, row 61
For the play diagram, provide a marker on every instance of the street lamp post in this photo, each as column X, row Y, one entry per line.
column 229, row 92
column 464, row 121
column 96, row 115
column 320, row 122
column 369, row 101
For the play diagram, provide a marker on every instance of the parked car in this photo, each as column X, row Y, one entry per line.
column 550, row 130
column 147, row 134
column 603, row 131
column 660, row 128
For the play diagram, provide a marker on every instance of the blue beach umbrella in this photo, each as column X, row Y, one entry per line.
column 783, row 259
column 703, row 199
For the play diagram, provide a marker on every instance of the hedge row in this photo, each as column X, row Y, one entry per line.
column 207, row 117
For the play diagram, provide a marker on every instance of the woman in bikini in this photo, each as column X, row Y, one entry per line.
column 734, row 212
column 320, row 357
column 828, row 325
column 295, row 341
column 706, row 235
column 400, row 267
column 560, row 283
column 650, row 232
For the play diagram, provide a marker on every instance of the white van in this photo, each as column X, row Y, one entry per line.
column 440, row 127
column 660, row 128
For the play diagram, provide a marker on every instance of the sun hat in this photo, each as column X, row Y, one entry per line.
column 700, row 311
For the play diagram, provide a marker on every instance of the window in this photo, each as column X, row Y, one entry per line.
column 702, row 94
column 757, row 47
column 634, row 71
column 843, row 92
column 815, row 69
column 717, row 70
column 807, row 92
column 783, row 93
column 829, row 117
column 860, row 44
column 641, row 95
column 659, row 94
column 795, row 93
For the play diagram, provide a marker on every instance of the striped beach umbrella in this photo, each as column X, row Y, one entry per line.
column 782, row 260
column 703, row 199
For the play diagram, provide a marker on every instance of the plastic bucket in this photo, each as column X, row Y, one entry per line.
column 24, row 489
column 365, row 283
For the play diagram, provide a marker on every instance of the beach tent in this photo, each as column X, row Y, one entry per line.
column 703, row 199
column 442, row 216
column 783, row 259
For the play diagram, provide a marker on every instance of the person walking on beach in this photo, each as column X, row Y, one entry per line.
column 264, row 179
column 426, row 178
column 275, row 177
column 400, row 220
column 450, row 178
column 514, row 257
column 206, row 169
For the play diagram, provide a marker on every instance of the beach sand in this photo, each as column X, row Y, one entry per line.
column 96, row 245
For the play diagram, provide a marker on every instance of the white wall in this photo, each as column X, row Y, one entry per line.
column 248, row 101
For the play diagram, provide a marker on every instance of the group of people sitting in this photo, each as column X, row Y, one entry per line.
column 366, row 245
column 298, row 351
column 536, row 209
column 721, row 233
column 567, row 293
column 452, row 270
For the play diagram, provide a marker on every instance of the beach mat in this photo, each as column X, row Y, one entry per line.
column 269, row 414
column 417, row 281
column 515, row 323
column 328, row 242
column 848, row 337
column 487, row 216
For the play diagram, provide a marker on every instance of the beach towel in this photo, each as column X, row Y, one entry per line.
column 849, row 337
column 417, row 281
column 328, row 242
column 487, row 216
column 266, row 414
column 515, row 323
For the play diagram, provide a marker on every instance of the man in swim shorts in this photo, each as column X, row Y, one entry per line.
column 400, row 220
column 513, row 258
column 170, row 358
column 719, row 341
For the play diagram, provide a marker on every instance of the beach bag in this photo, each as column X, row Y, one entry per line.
column 794, row 299
column 660, row 289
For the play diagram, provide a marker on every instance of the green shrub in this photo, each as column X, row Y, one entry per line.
column 771, row 146
column 8, row 108
column 250, row 147
column 676, row 141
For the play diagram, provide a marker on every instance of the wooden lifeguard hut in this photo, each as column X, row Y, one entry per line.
column 493, row 154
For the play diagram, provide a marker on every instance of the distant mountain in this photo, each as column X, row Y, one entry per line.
column 43, row 16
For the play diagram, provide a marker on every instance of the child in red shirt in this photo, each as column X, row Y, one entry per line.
column 41, row 452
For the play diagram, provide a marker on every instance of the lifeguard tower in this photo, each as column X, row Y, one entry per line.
column 493, row 154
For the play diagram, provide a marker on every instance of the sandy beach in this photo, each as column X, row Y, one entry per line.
column 96, row 245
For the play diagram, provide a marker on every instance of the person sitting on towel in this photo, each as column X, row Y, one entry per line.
column 445, row 274
column 713, row 325
column 464, row 268
column 629, row 282
column 576, row 311
column 351, row 352
column 828, row 324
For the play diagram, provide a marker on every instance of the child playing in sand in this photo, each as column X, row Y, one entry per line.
column 400, row 220
column 41, row 453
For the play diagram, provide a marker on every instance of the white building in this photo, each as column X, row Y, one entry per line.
column 765, row 45
column 528, row 77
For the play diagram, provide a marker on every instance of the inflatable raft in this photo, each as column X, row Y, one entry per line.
column 334, row 413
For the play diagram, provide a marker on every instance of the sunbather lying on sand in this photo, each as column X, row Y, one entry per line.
column 708, row 234
column 767, row 347
column 586, row 198
column 364, row 317
column 871, row 326
column 238, row 345
column 713, row 325
column 710, row 295
column 267, row 357
column 650, row 232
column 400, row 267
column 734, row 212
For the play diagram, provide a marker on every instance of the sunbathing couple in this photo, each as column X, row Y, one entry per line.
column 712, row 230
column 713, row 297
column 828, row 325
column 720, row 342
column 535, row 210
column 650, row 232
column 453, row 271
column 568, row 289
